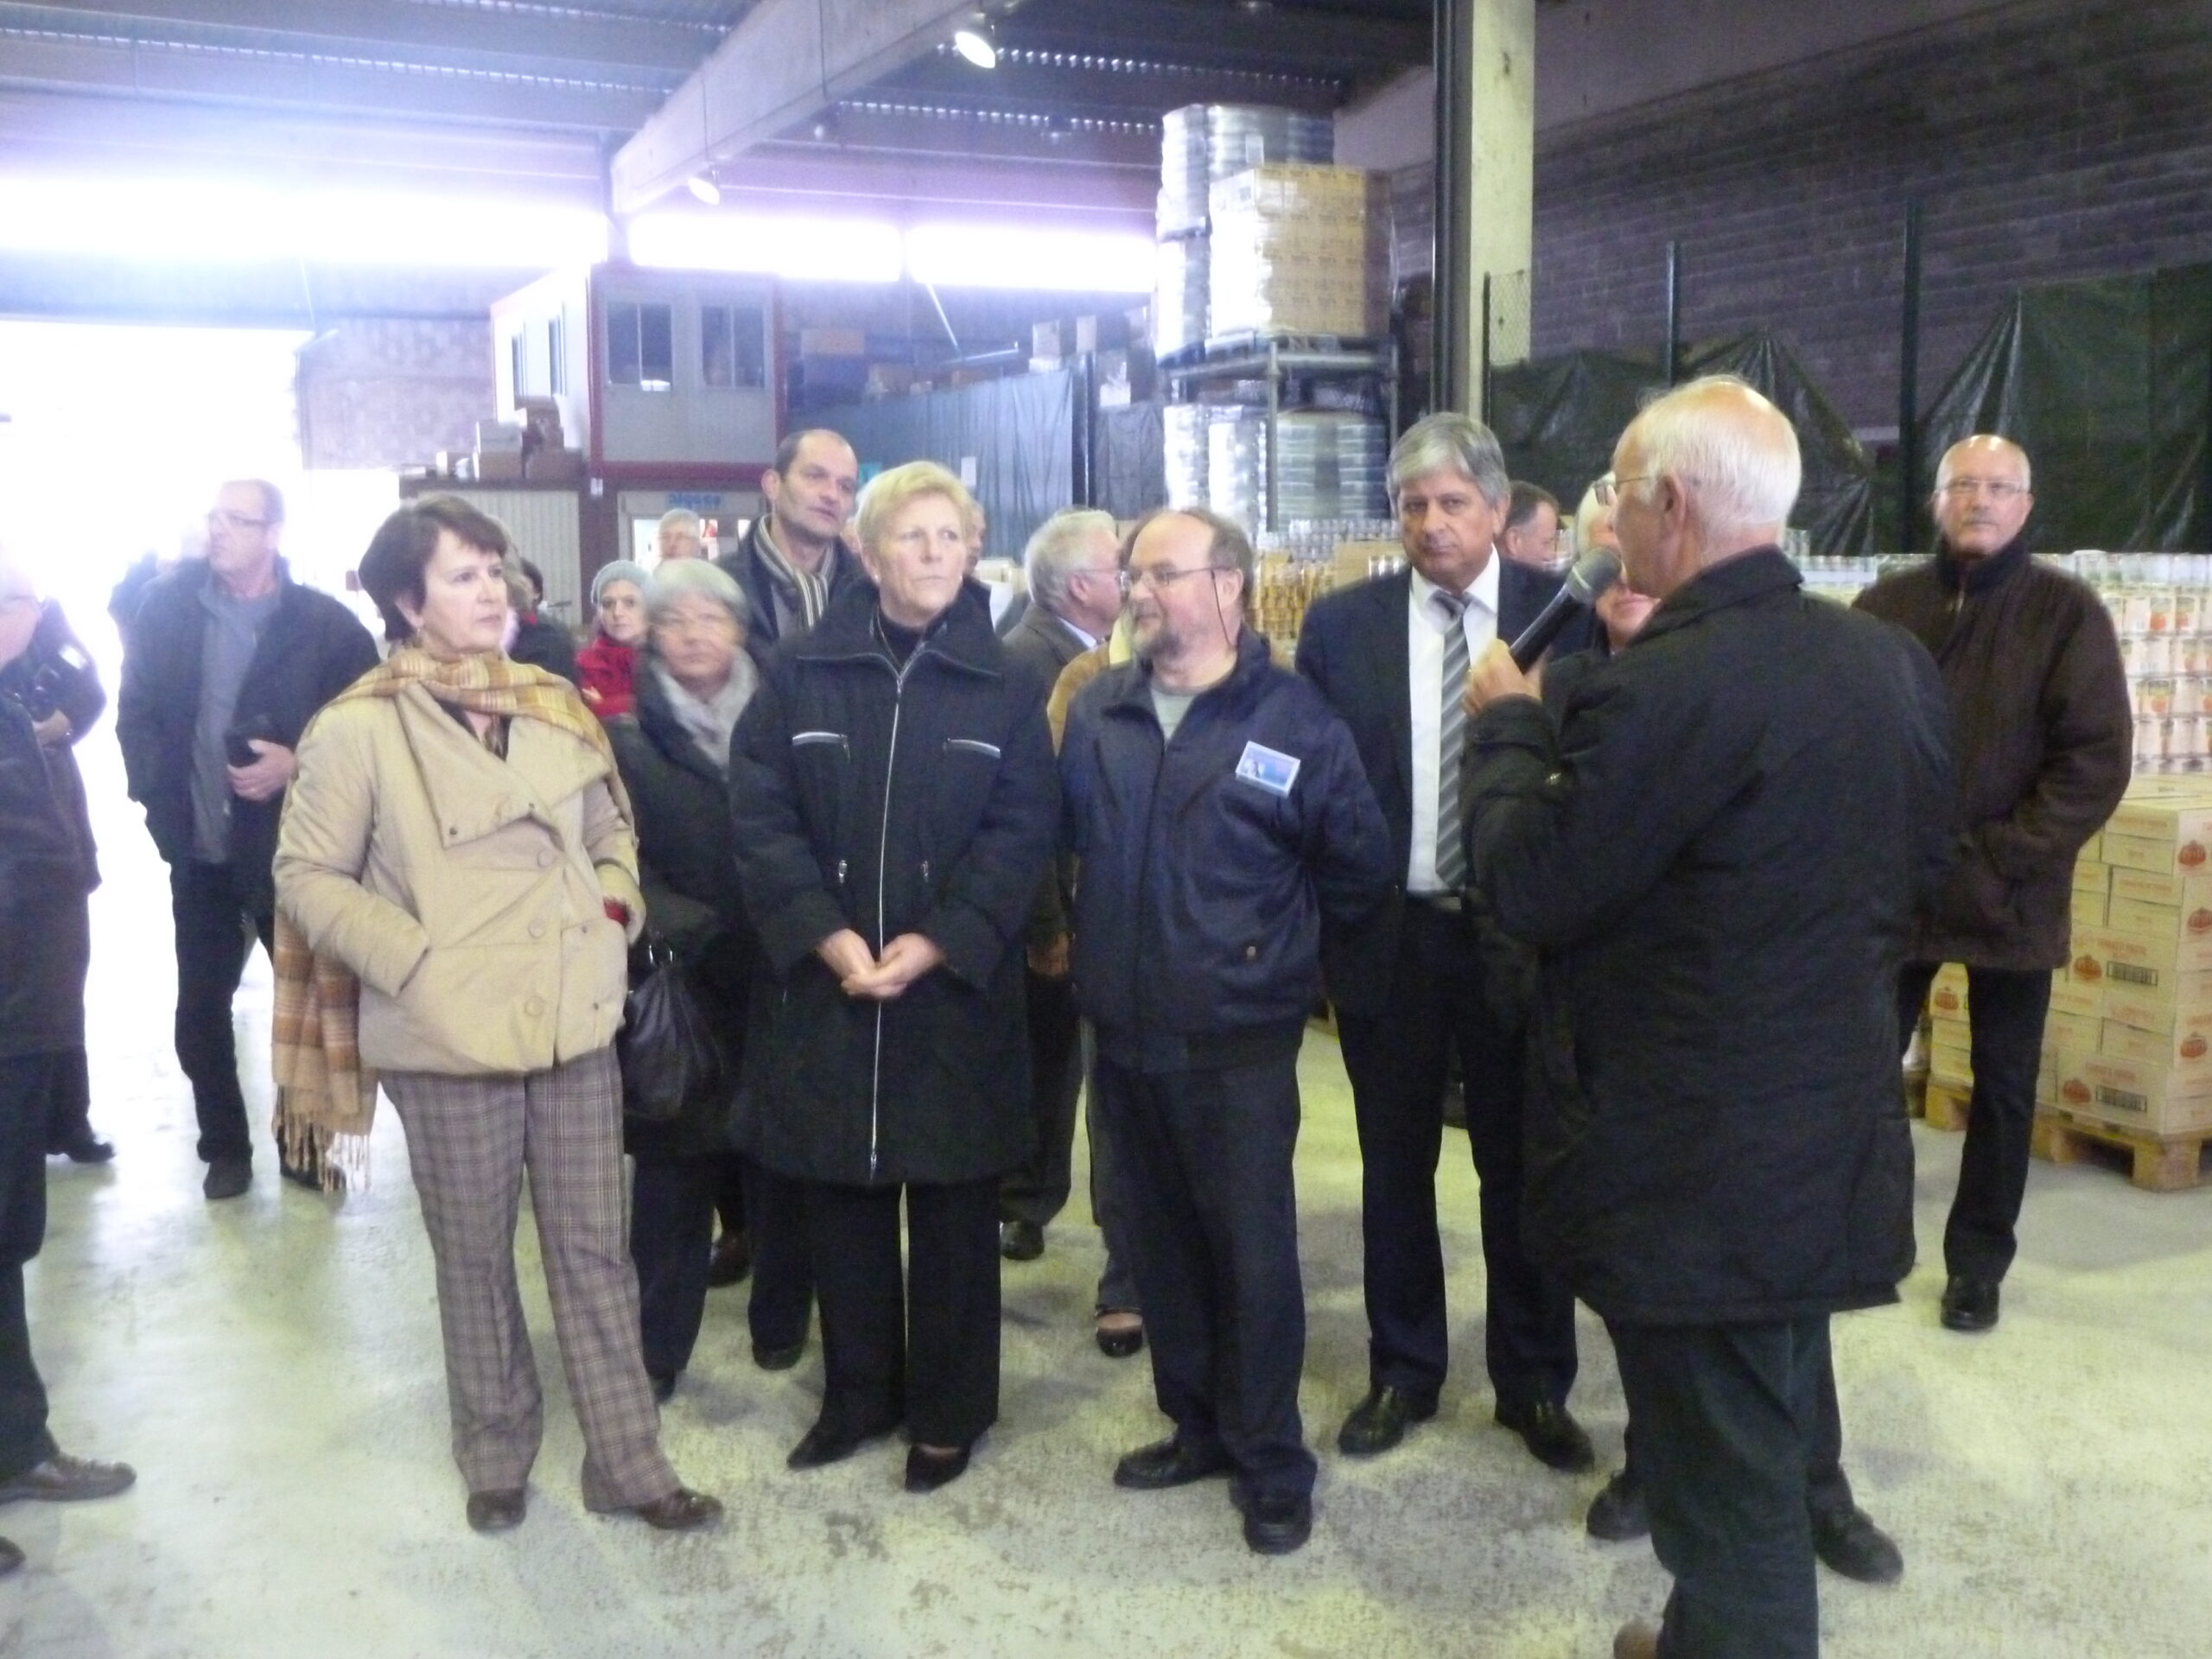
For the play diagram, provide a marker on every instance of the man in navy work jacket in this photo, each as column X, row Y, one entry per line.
column 1219, row 811
column 1391, row 657
column 1718, row 850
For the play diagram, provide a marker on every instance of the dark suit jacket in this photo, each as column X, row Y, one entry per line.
column 1353, row 646
column 1041, row 645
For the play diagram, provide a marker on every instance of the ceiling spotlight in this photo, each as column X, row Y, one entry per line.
column 702, row 186
column 976, row 42
column 826, row 126
column 1058, row 128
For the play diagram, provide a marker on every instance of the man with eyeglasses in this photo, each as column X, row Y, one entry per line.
column 1219, row 811
column 226, row 661
column 2044, row 738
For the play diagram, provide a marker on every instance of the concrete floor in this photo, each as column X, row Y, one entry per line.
column 271, row 1365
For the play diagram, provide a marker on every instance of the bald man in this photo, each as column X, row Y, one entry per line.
column 1717, row 848
column 2044, row 737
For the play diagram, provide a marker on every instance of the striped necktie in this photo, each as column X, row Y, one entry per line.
column 1451, row 742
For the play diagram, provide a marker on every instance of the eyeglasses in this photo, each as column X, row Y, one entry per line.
column 1159, row 578
column 1608, row 490
column 229, row 520
column 1997, row 489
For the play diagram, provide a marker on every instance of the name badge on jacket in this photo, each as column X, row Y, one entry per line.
column 1271, row 770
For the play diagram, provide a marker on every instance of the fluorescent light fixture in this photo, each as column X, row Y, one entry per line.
column 215, row 220
column 703, row 188
column 800, row 247
column 975, row 42
column 996, row 255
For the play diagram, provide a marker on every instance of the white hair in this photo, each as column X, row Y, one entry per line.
column 1744, row 482
column 1055, row 551
column 680, row 518
column 1588, row 513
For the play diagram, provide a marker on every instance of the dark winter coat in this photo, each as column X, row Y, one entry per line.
column 748, row 566
column 312, row 648
column 1717, row 849
column 1201, row 895
column 687, row 869
column 46, row 872
column 56, row 674
column 2043, row 740
column 890, row 801
column 545, row 644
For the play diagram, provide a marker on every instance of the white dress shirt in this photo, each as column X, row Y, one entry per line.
column 1426, row 621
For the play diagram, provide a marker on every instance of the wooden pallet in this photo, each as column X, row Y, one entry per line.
column 2156, row 1165
column 1945, row 1107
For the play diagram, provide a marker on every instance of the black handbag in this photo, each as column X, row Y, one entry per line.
column 672, row 1061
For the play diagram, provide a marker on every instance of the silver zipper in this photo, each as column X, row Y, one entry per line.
column 882, row 858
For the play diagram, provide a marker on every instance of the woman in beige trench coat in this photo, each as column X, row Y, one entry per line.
column 457, row 838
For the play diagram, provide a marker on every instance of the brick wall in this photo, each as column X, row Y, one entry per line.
column 381, row 392
column 2048, row 141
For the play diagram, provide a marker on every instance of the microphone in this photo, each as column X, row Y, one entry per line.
column 1590, row 576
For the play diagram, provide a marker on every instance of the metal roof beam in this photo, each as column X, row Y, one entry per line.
column 784, row 62
column 394, row 28
column 1284, row 40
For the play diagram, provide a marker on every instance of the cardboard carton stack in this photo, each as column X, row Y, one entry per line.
column 1299, row 250
column 2130, row 1038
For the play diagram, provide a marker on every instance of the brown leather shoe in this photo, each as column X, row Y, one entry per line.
column 64, row 1479
column 496, row 1511
column 1637, row 1639
column 680, row 1512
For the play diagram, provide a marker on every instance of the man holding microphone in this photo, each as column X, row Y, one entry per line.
column 1717, row 849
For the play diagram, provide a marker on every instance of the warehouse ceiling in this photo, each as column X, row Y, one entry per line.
column 853, row 97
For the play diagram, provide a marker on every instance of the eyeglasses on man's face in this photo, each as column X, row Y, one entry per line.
column 224, row 519
column 1965, row 489
column 1161, row 578
column 1608, row 490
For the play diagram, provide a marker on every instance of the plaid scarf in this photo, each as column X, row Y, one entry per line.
column 807, row 590
column 326, row 1098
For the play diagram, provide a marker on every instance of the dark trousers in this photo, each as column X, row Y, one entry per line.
column 2005, row 1011
column 1037, row 1190
column 1725, row 1418
column 28, row 1083
column 1203, row 1161
column 1117, row 1283
column 928, row 1355
column 69, row 1119
column 1398, row 1064
column 214, row 935
column 769, row 1209
column 1828, row 1489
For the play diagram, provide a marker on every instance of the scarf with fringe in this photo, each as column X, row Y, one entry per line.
column 326, row 1098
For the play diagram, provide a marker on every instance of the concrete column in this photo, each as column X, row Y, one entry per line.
column 1486, row 222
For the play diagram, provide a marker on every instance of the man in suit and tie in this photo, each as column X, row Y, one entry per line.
column 1391, row 655
column 1072, row 566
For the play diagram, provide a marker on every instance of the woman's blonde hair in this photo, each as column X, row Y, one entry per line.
column 889, row 491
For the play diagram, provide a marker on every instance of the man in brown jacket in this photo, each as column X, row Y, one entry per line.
column 2042, row 740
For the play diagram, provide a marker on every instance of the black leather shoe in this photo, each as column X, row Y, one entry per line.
column 927, row 1470
column 1121, row 1341
column 825, row 1444
column 1552, row 1435
column 1380, row 1422
column 779, row 1359
column 1617, row 1514
column 64, row 1479
column 663, row 1386
column 227, row 1178
column 10, row 1558
column 1848, row 1541
column 1969, row 1304
column 680, row 1512
column 1168, row 1463
column 496, row 1511
column 1020, row 1240
column 83, row 1148
column 1275, row 1525
column 730, row 1260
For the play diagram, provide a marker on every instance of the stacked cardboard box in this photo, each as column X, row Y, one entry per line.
column 2142, row 975
column 1299, row 250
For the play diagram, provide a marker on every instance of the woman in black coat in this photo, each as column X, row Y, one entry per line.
column 694, row 680
column 895, row 802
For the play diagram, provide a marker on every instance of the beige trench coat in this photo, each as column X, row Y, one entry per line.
column 464, row 891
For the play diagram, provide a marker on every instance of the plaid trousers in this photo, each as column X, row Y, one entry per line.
column 469, row 1140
